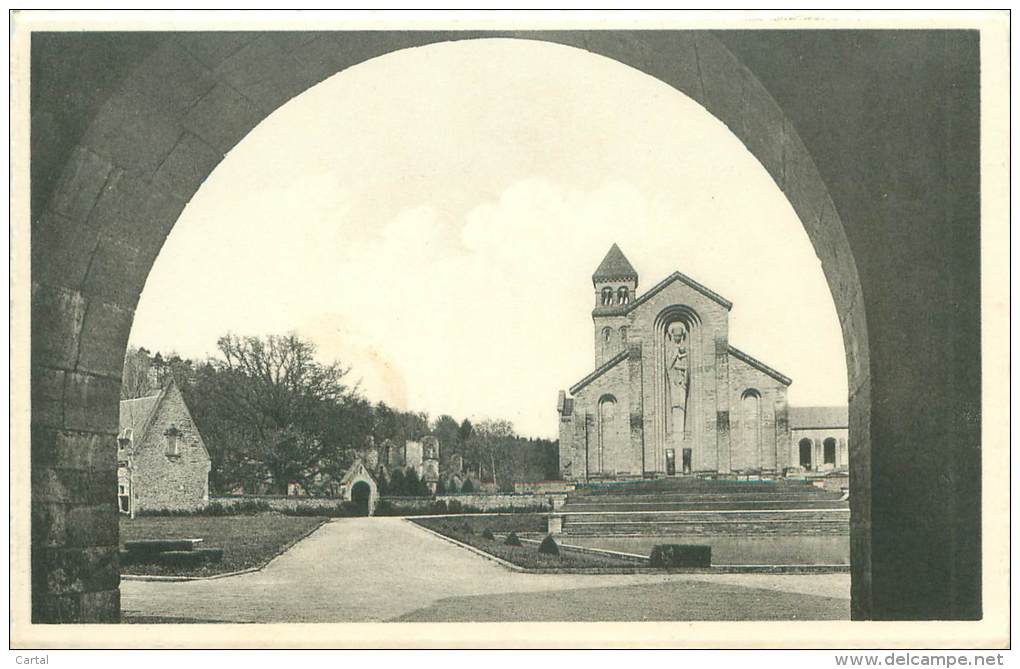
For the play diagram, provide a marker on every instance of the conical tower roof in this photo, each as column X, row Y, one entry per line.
column 614, row 266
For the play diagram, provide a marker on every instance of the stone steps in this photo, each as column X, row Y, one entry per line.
column 701, row 516
column 708, row 505
column 740, row 528
column 782, row 494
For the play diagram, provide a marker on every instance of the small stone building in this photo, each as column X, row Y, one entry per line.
column 359, row 486
column 162, row 462
column 820, row 437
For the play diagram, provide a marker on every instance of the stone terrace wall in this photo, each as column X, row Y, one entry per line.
column 280, row 502
column 481, row 501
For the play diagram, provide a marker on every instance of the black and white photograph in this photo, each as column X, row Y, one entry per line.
column 698, row 319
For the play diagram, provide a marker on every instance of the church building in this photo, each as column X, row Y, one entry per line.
column 669, row 394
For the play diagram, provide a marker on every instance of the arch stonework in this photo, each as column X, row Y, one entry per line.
column 127, row 126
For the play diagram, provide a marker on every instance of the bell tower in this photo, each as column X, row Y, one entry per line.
column 615, row 281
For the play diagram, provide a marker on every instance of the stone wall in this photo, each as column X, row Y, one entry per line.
column 818, row 437
column 281, row 502
column 483, row 501
column 770, row 449
column 162, row 481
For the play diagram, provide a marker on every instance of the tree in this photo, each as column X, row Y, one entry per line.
column 489, row 442
column 293, row 414
column 136, row 378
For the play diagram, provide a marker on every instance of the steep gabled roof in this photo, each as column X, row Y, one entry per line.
column 802, row 418
column 357, row 471
column 136, row 414
column 600, row 370
column 614, row 266
column 760, row 366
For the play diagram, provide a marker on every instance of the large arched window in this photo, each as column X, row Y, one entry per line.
column 607, row 420
column 623, row 334
column 829, row 451
column 607, row 296
column 750, row 415
column 805, row 453
column 607, row 339
column 623, row 295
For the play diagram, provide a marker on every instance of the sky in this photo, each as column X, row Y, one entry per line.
column 432, row 218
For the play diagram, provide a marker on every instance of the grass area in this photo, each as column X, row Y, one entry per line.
column 670, row 600
column 247, row 541
column 468, row 530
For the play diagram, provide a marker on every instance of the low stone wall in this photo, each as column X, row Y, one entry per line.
column 480, row 501
column 280, row 502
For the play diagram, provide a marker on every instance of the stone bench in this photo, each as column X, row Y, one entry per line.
column 169, row 552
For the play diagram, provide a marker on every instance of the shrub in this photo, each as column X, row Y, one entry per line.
column 248, row 507
column 549, row 546
column 342, row 510
column 487, row 534
column 678, row 555
column 512, row 540
column 468, row 486
column 455, row 506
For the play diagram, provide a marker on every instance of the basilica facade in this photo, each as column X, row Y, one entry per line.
column 669, row 395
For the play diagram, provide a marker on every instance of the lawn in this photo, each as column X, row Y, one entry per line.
column 469, row 529
column 247, row 541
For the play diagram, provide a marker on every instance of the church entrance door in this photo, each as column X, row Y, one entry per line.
column 687, row 461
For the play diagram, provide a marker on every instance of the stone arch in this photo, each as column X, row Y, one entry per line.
column 353, row 488
column 152, row 132
column 697, row 349
column 361, row 496
column 607, row 427
column 829, row 451
column 751, row 429
column 804, row 455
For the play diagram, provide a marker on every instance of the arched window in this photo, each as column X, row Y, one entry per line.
column 607, row 418
column 805, row 453
column 750, row 405
column 607, row 338
column 623, row 334
column 607, row 296
column 623, row 295
column 829, row 451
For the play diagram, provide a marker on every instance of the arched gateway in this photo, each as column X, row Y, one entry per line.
column 134, row 123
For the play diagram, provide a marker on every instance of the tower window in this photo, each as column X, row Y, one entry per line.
column 623, row 295
column 607, row 296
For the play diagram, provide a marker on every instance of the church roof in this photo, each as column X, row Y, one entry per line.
column 614, row 266
column 760, row 366
column 599, row 371
column 802, row 418
column 620, row 310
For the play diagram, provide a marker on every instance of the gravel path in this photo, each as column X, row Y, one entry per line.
column 378, row 569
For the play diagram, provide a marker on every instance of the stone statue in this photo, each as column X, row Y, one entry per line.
column 678, row 363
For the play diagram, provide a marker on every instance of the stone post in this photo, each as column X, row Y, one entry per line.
column 555, row 523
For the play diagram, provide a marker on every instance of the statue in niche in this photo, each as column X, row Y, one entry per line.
column 678, row 366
